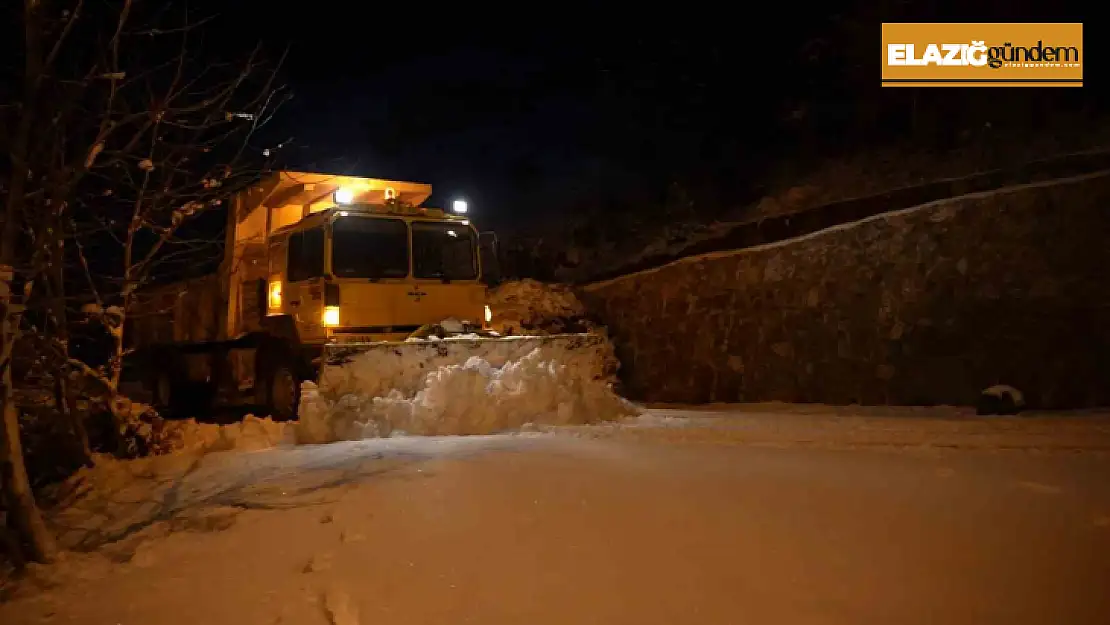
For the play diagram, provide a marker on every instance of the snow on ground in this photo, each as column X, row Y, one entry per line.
column 775, row 424
column 115, row 500
column 639, row 525
column 477, row 386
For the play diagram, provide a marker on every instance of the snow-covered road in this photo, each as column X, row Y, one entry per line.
column 762, row 514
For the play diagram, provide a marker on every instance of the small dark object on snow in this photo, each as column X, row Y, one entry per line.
column 1000, row 399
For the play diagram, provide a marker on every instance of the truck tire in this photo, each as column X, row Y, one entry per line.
column 280, row 392
column 163, row 391
column 179, row 399
column 168, row 392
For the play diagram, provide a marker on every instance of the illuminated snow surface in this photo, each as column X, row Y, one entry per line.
column 725, row 514
column 442, row 388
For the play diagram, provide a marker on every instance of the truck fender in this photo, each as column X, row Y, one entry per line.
column 283, row 327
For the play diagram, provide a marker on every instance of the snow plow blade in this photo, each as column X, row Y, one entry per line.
column 376, row 369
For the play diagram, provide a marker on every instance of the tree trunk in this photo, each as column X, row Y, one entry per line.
column 122, row 422
column 16, row 487
column 17, row 151
column 116, row 363
column 18, row 497
column 66, row 403
column 59, row 322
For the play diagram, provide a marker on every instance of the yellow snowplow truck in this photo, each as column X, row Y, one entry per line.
column 317, row 268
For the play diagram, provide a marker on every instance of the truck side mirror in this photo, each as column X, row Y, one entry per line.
column 491, row 268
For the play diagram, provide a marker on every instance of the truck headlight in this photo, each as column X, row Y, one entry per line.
column 331, row 316
column 489, row 314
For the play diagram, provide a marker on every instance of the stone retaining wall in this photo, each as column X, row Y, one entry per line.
column 926, row 305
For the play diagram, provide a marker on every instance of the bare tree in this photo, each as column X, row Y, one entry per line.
column 187, row 143
column 38, row 59
column 137, row 131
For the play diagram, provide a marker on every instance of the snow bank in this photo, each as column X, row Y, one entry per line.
column 376, row 369
column 252, row 433
column 146, row 433
column 119, row 492
column 534, row 306
column 476, row 386
column 163, row 436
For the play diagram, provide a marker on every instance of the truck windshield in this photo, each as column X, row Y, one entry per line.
column 306, row 255
column 443, row 250
column 364, row 247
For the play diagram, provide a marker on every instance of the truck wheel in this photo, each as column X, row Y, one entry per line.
column 169, row 396
column 163, row 390
column 283, row 393
column 177, row 399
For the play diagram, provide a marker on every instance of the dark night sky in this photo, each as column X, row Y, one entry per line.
column 528, row 110
column 521, row 113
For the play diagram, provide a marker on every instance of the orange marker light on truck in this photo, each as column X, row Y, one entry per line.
column 331, row 305
column 275, row 294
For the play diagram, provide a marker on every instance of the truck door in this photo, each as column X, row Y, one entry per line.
column 490, row 257
column 304, row 284
column 370, row 262
column 444, row 274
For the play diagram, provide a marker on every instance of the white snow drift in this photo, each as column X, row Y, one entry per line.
column 251, row 434
column 532, row 306
column 504, row 385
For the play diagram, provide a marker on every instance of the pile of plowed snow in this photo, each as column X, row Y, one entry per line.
column 149, row 434
column 502, row 385
column 530, row 307
column 251, row 434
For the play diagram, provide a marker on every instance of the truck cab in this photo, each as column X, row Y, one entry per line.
column 367, row 273
column 311, row 260
column 352, row 259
